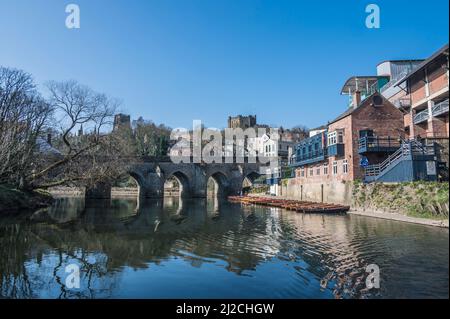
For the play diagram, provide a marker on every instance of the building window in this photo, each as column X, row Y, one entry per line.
column 340, row 137
column 345, row 166
column 325, row 169
column 302, row 172
column 332, row 138
column 336, row 137
column 311, row 171
column 335, row 168
column 318, row 170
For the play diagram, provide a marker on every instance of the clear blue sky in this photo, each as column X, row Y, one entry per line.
column 175, row 61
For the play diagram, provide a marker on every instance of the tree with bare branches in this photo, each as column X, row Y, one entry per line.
column 85, row 158
column 24, row 117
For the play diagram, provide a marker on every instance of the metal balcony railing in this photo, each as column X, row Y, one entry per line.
column 440, row 108
column 421, row 117
column 308, row 158
column 378, row 144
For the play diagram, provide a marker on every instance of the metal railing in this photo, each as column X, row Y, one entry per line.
column 421, row 117
column 308, row 156
column 440, row 108
column 371, row 142
column 377, row 169
column 407, row 149
column 394, row 80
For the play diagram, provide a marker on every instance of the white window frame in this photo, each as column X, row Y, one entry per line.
column 332, row 138
column 336, row 137
column 325, row 169
column 345, row 166
column 335, row 168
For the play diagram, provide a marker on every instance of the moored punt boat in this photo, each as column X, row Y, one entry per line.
column 295, row 205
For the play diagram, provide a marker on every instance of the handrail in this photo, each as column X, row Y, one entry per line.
column 440, row 108
column 411, row 147
column 421, row 117
column 377, row 169
column 375, row 141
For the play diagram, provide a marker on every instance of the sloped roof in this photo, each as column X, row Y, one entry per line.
column 350, row 110
column 423, row 64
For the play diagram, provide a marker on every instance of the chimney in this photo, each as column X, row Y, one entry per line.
column 356, row 99
column 49, row 139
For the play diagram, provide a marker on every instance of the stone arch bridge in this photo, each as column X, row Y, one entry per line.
column 193, row 178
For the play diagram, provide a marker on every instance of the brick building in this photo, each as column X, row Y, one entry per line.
column 427, row 88
column 369, row 130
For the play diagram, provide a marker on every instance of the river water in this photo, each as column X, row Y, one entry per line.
column 172, row 248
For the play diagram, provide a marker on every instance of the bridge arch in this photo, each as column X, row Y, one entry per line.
column 221, row 184
column 183, row 182
column 139, row 179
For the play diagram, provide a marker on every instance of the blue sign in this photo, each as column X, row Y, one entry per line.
column 364, row 162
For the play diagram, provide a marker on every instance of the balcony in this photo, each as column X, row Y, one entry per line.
column 308, row 158
column 440, row 108
column 336, row 150
column 374, row 144
column 421, row 117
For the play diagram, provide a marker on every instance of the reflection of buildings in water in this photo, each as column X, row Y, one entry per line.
column 327, row 245
column 243, row 237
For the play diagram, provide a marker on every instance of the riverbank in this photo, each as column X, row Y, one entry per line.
column 443, row 223
column 13, row 200
column 401, row 218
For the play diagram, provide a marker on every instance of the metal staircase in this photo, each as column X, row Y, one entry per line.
column 408, row 151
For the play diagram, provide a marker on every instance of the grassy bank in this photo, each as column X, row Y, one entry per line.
column 15, row 200
column 416, row 199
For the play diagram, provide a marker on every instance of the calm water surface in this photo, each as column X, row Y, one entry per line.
column 209, row 249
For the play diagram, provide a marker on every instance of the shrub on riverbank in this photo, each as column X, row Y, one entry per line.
column 417, row 199
column 14, row 200
column 260, row 189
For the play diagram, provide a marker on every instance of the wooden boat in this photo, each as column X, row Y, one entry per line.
column 294, row 205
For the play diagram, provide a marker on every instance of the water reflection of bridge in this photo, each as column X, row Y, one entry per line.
column 106, row 236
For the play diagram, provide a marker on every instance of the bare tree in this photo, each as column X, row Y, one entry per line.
column 77, row 106
column 24, row 116
column 28, row 161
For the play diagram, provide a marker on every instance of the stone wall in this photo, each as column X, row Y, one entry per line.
column 418, row 199
column 337, row 192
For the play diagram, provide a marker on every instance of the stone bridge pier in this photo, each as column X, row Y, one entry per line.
column 192, row 178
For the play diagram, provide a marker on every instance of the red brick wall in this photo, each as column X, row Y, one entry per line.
column 346, row 125
column 385, row 120
column 438, row 127
column 438, row 80
column 418, row 92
